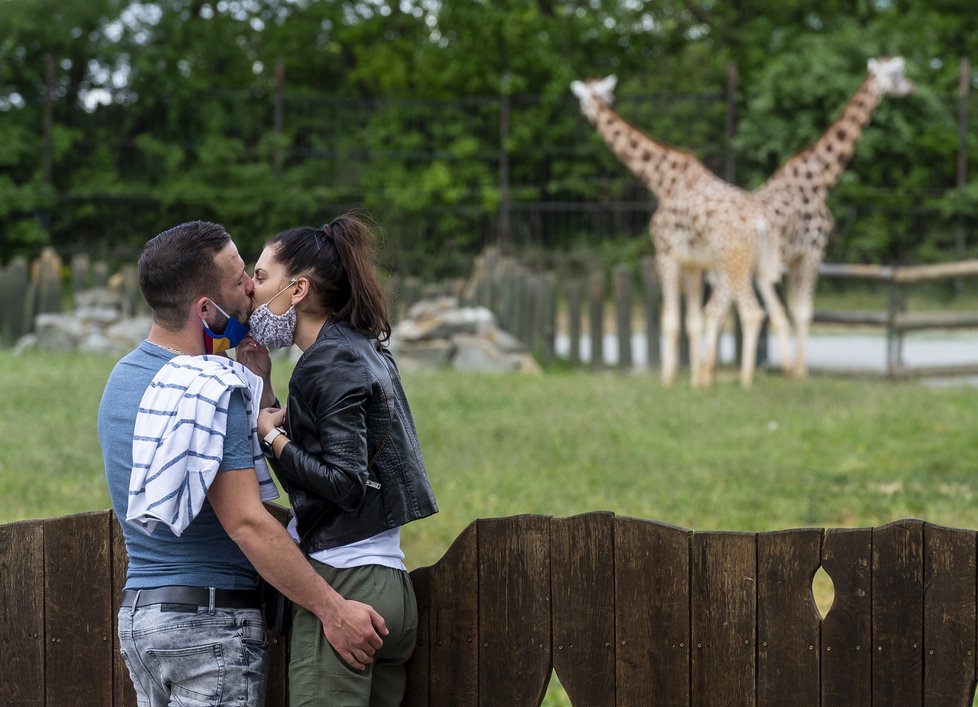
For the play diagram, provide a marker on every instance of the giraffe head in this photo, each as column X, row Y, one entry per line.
column 890, row 76
column 591, row 92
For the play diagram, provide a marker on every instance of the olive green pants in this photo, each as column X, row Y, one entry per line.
column 318, row 676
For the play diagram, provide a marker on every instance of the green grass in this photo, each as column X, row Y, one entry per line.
column 783, row 454
column 821, row 452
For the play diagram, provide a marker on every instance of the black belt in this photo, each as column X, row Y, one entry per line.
column 194, row 596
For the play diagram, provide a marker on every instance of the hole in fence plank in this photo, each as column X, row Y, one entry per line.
column 556, row 695
column 823, row 591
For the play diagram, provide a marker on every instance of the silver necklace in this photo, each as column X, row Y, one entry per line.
column 178, row 352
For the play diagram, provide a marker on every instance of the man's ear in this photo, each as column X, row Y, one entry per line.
column 203, row 308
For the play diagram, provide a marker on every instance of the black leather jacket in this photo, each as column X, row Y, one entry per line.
column 353, row 468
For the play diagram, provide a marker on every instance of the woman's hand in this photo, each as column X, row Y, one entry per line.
column 269, row 419
column 255, row 357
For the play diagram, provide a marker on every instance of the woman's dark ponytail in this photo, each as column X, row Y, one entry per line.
column 365, row 305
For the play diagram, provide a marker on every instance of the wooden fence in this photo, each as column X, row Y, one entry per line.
column 896, row 320
column 535, row 303
column 40, row 287
column 525, row 300
column 625, row 611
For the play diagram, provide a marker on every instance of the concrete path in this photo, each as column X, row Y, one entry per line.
column 826, row 351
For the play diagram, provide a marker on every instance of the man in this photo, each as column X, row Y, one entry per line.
column 189, row 625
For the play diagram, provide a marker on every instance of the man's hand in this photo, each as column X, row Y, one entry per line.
column 255, row 357
column 354, row 630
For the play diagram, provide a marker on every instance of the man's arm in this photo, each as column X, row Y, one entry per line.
column 352, row 628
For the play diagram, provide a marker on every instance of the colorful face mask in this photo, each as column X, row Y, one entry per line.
column 276, row 331
column 234, row 332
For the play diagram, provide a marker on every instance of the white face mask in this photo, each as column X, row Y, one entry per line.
column 276, row 331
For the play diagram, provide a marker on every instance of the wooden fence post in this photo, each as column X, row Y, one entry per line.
column 49, row 290
column 100, row 273
column 411, row 292
column 575, row 295
column 14, row 321
column 80, row 267
column 130, row 287
column 530, row 311
column 651, row 301
column 623, row 314
column 896, row 303
column 547, row 316
column 596, row 317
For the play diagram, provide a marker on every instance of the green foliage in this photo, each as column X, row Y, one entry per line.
column 164, row 112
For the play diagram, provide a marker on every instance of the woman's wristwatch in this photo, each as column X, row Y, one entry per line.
column 272, row 435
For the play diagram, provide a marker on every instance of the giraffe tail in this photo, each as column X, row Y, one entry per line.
column 767, row 261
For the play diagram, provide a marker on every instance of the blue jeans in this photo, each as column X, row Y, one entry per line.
column 185, row 656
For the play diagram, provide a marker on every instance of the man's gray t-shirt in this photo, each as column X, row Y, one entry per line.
column 204, row 555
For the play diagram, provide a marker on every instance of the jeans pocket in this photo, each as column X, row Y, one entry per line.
column 253, row 634
column 195, row 674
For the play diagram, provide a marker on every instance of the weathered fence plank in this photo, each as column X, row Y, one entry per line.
column 453, row 623
column 724, row 606
column 78, row 612
column 652, row 628
column 949, row 616
column 514, row 610
column 22, row 635
column 584, row 607
column 123, row 693
column 419, row 667
column 846, row 655
column 898, row 631
column 787, row 618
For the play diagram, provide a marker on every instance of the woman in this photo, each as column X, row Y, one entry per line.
column 345, row 449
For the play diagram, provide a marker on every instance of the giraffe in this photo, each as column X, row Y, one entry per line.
column 701, row 224
column 795, row 194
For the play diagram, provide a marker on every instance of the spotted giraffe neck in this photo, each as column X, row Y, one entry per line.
column 822, row 164
column 660, row 167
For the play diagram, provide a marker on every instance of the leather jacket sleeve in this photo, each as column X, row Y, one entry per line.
column 327, row 455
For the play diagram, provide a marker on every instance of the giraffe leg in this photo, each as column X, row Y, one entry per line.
column 716, row 311
column 751, row 315
column 779, row 321
column 693, row 289
column 802, row 279
column 669, row 282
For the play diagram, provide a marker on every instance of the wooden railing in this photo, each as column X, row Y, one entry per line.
column 626, row 611
column 896, row 320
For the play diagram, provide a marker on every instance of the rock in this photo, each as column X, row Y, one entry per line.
column 424, row 355
column 58, row 332
column 476, row 354
column 438, row 333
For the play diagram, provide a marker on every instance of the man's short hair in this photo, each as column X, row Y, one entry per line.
column 178, row 266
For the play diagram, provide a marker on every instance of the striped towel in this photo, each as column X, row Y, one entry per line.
column 179, row 439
